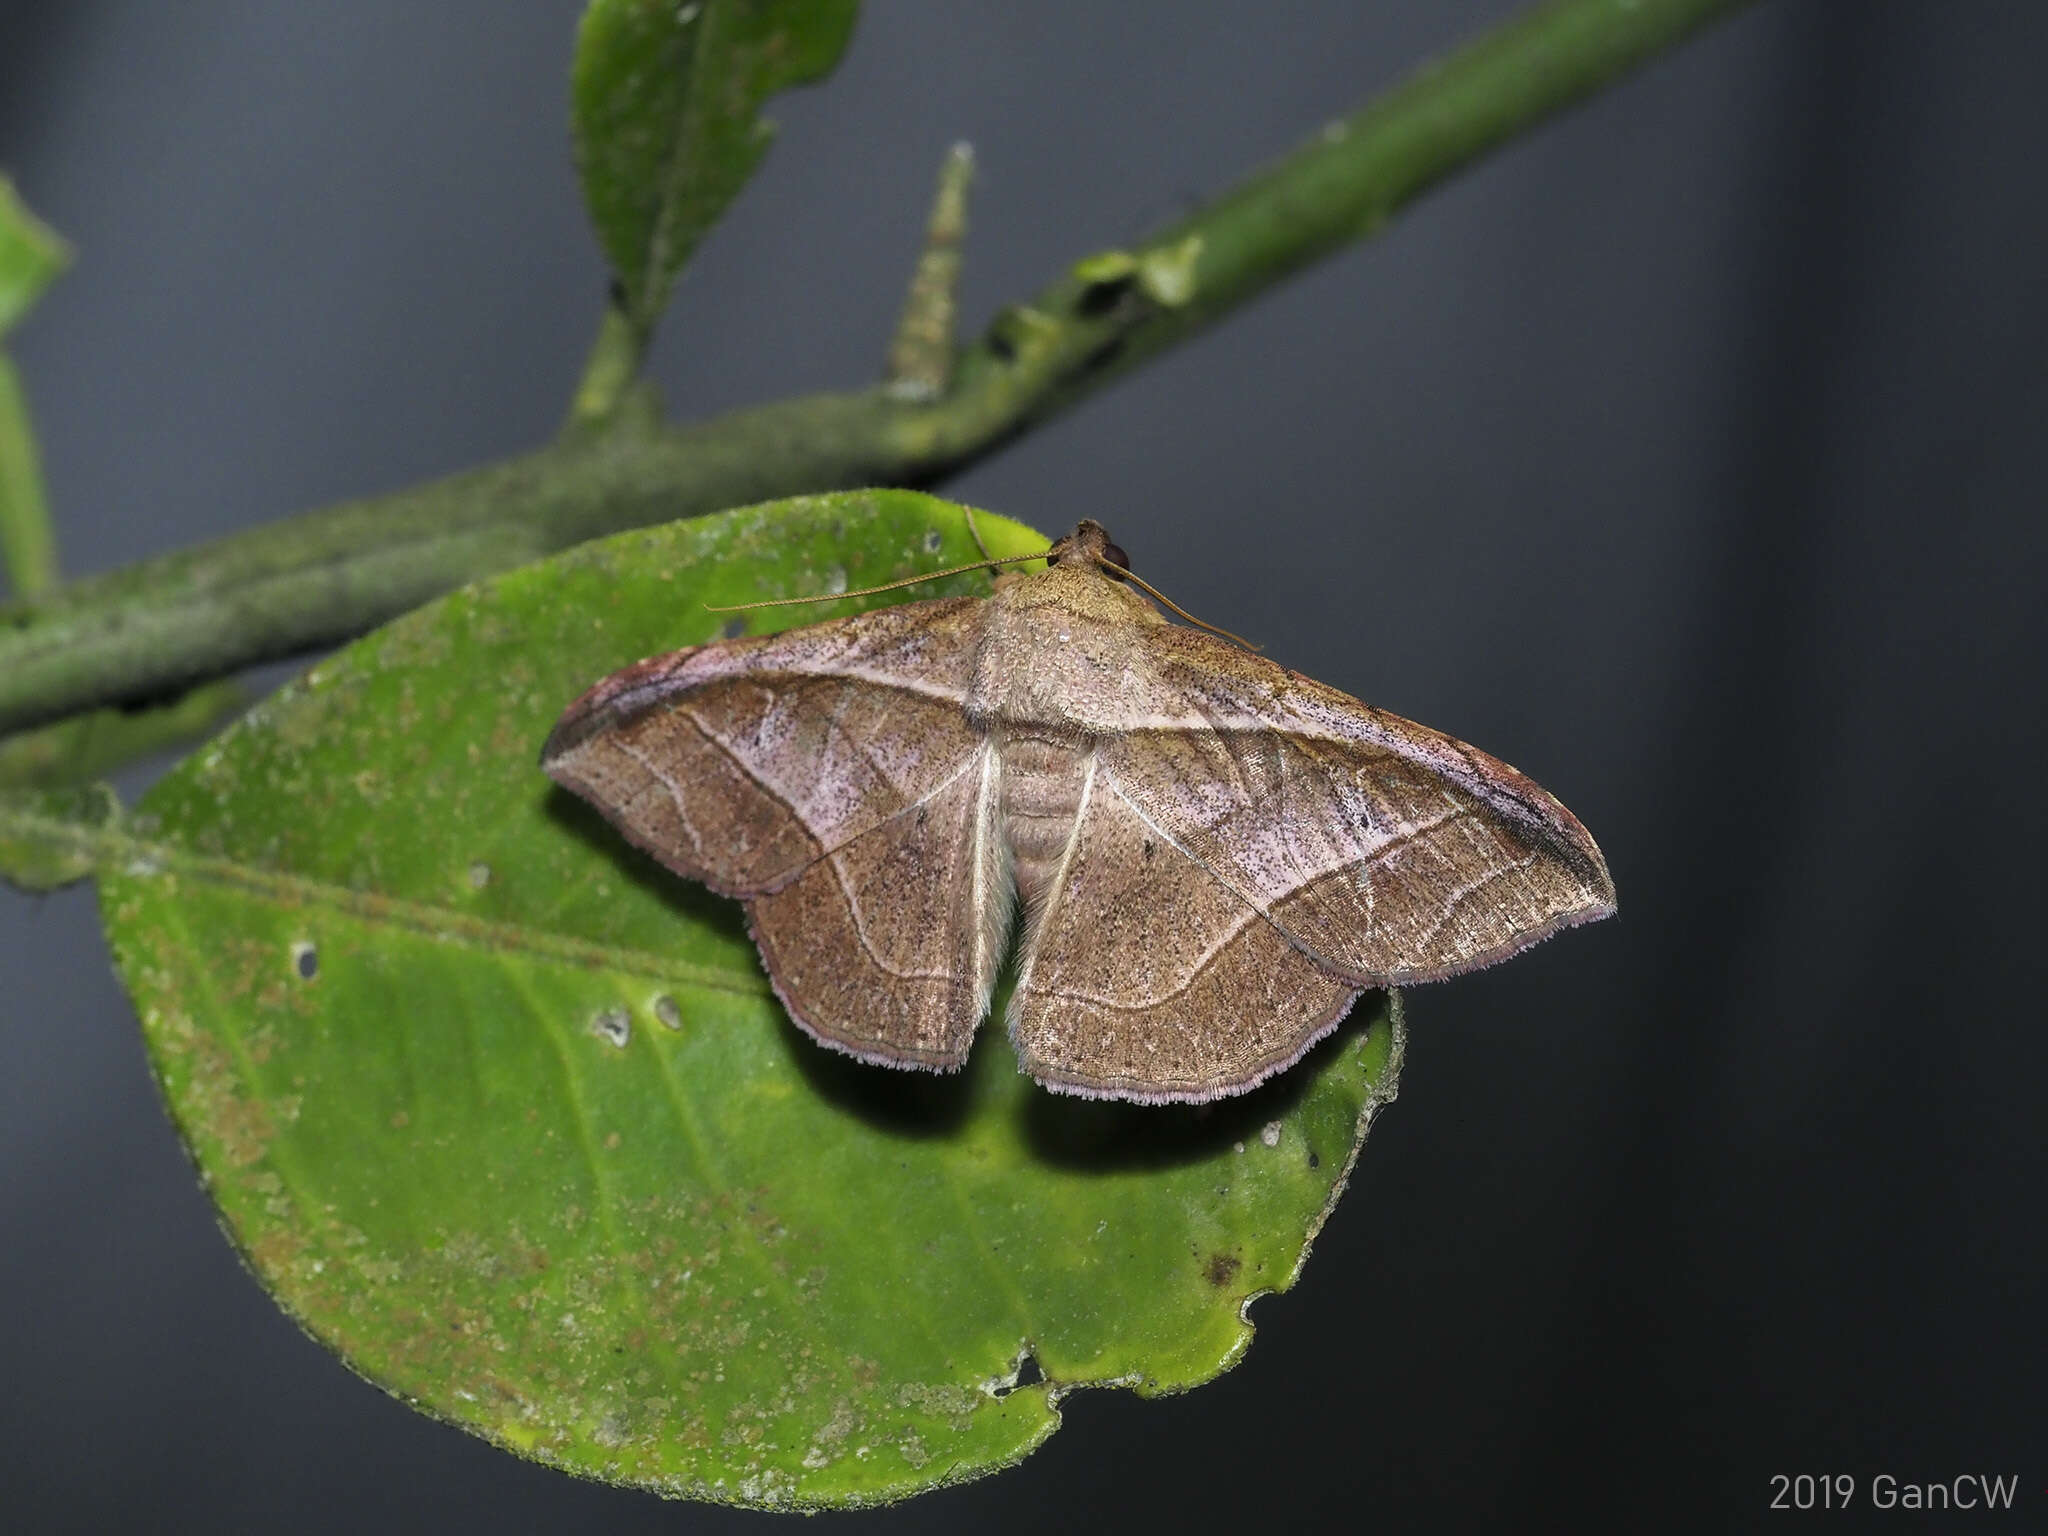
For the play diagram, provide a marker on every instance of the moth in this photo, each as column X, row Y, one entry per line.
column 1214, row 855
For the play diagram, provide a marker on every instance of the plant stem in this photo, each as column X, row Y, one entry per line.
column 82, row 747
column 608, row 375
column 312, row 580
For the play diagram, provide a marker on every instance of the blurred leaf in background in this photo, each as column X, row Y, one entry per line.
column 47, row 809
column 31, row 257
column 664, row 108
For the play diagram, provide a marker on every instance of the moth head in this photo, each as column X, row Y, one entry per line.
column 1089, row 544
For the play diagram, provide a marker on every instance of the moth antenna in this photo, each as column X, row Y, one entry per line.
column 1213, row 629
column 887, row 586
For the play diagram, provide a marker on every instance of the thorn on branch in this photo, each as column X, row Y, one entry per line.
column 920, row 363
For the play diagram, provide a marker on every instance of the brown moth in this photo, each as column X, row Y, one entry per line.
column 1216, row 855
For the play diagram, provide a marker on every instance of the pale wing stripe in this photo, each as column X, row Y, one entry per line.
column 852, row 905
column 990, row 879
column 1458, row 897
column 1054, row 888
column 676, row 795
column 661, row 777
column 1390, row 844
column 656, row 692
column 1158, row 1000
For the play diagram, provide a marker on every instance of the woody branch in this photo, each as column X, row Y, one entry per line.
column 153, row 628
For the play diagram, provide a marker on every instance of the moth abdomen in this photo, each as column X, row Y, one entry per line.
column 1044, row 779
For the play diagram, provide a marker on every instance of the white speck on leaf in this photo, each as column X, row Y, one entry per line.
column 614, row 1026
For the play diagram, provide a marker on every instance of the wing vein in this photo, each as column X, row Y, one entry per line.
column 860, row 926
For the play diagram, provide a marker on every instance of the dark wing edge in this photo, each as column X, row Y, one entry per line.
column 862, row 644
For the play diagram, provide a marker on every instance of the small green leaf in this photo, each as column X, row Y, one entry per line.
column 507, row 1115
column 52, row 837
column 28, row 544
column 31, row 257
column 664, row 98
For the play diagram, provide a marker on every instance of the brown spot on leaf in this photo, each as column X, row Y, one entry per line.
column 244, row 1128
column 1221, row 1269
column 276, row 1249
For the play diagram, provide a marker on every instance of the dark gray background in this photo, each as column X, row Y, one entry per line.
column 1687, row 455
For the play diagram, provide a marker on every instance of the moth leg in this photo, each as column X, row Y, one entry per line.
column 887, row 948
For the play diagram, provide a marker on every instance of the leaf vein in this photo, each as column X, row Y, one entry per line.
column 125, row 853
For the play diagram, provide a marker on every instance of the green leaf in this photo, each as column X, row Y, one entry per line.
column 28, row 544
column 664, row 98
column 52, row 837
column 31, row 257
column 508, row 1116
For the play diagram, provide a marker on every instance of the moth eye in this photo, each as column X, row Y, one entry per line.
column 1115, row 556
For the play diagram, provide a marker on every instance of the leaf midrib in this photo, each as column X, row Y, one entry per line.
column 116, row 851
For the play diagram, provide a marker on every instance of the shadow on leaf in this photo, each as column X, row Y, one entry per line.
column 896, row 1101
column 1113, row 1136
column 689, row 901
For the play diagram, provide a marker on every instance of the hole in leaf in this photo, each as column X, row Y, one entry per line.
column 1025, row 1373
column 614, row 1026
column 668, row 1010
column 305, row 960
column 934, row 541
